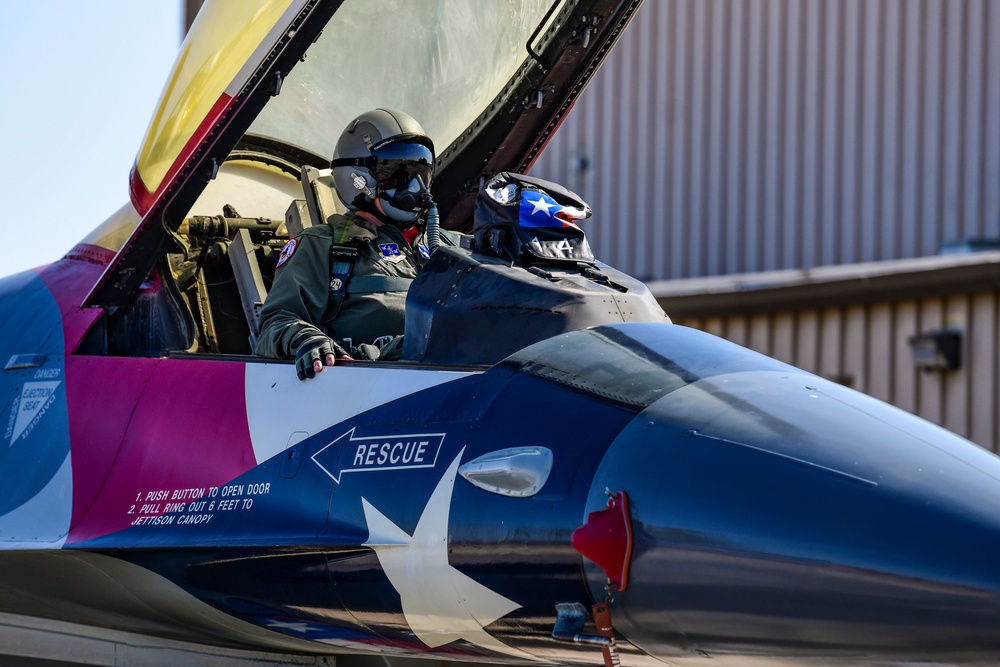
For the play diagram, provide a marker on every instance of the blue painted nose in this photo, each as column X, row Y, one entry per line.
column 778, row 514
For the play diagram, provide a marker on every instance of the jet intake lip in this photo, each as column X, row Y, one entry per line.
column 606, row 539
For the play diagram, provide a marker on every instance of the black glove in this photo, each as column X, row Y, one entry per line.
column 367, row 352
column 311, row 347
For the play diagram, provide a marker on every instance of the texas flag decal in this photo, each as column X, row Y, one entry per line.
column 540, row 210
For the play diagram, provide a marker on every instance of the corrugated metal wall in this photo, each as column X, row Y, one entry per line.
column 865, row 347
column 731, row 136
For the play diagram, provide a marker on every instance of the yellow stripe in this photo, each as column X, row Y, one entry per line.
column 224, row 36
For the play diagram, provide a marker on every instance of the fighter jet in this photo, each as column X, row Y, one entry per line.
column 552, row 473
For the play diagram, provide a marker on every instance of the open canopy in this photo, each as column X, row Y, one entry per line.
column 489, row 82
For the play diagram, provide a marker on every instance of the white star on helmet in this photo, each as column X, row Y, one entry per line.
column 541, row 205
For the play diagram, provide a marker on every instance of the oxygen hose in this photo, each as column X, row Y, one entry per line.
column 433, row 227
column 433, row 221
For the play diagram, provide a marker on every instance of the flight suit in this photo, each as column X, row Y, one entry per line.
column 318, row 286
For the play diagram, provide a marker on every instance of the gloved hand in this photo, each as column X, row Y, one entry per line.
column 311, row 353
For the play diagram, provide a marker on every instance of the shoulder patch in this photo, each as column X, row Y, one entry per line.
column 391, row 252
column 287, row 252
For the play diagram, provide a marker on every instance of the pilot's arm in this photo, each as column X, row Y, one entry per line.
column 291, row 317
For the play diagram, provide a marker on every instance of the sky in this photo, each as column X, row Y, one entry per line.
column 79, row 84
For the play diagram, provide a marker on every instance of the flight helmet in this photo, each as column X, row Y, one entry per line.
column 383, row 164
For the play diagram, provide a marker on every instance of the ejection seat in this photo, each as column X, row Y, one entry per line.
column 319, row 204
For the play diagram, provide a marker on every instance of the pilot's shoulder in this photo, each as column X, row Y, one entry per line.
column 314, row 240
column 316, row 232
column 350, row 229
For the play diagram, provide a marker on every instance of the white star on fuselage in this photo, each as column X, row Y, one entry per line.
column 542, row 205
column 441, row 605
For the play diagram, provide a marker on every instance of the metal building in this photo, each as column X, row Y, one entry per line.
column 729, row 136
column 825, row 151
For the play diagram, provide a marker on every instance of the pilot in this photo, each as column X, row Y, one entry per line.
column 340, row 288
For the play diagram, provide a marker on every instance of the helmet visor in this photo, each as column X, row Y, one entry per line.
column 399, row 162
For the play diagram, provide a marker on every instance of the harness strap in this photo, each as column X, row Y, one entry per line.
column 342, row 260
column 370, row 284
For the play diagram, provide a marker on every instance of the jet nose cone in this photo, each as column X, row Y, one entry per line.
column 775, row 513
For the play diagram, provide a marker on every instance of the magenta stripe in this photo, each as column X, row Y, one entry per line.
column 146, row 429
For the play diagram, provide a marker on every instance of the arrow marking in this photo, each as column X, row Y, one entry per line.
column 378, row 453
column 35, row 399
